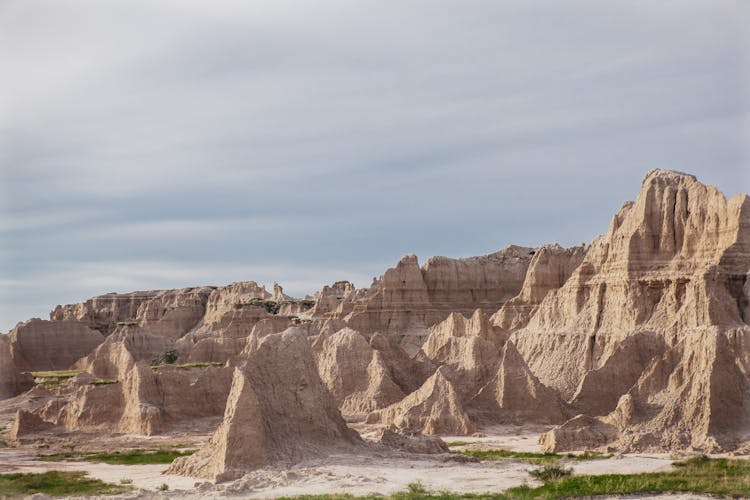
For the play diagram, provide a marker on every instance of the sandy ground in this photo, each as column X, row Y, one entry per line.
column 378, row 473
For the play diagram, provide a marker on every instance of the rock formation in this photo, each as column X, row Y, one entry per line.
column 469, row 347
column 516, row 396
column 143, row 401
column 356, row 374
column 411, row 443
column 550, row 268
column 642, row 337
column 407, row 299
column 278, row 411
column 337, row 299
column 12, row 381
column 655, row 310
column 39, row 345
column 434, row 408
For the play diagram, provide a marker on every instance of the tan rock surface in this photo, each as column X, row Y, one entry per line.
column 407, row 299
column 468, row 346
column 356, row 374
column 12, row 381
column 550, row 268
column 434, row 408
column 516, row 396
column 39, row 345
column 278, row 411
column 674, row 259
column 411, row 443
column 650, row 330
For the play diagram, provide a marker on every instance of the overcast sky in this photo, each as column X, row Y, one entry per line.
column 163, row 144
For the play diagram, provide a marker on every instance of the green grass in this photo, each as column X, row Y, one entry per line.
column 133, row 457
column 527, row 456
column 104, row 382
column 457, row 443
column 723, row 477
column 524, row 456
column 550, row 473
column 589, row 455
column 54, row 379
column 56, row 483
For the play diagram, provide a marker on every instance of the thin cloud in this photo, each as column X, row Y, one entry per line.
column 289, row 141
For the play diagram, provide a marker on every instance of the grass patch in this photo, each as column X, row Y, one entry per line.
column 56, row 483
column 550, row 473
column 54, row 379
column 457, row 443
column 527, row 456
column 720, row 476
column 104, row 382
column 133, row 457
column 524, row 456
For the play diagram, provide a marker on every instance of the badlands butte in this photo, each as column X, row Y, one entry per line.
column 638, row 341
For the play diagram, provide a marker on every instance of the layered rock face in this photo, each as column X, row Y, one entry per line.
column 137, row 400
column 278, row 411
column 12, row 380
column 39, row 345
column 656, row 302
column 550, row 268
column 168, row 312
column 407, row 299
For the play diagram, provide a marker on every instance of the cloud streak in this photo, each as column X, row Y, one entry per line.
column 287, row 137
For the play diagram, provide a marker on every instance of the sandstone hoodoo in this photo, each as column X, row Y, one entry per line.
column 638, row 341
column 278, row 412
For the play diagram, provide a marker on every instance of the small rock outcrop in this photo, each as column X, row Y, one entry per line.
column 411, row 442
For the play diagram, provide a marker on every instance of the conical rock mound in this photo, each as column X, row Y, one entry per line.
column 515, row 395
column 434, row 408
column 355, row 373
column 278, row 411
column 468, row 346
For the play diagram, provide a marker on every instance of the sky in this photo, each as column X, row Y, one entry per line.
column 160, row 144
